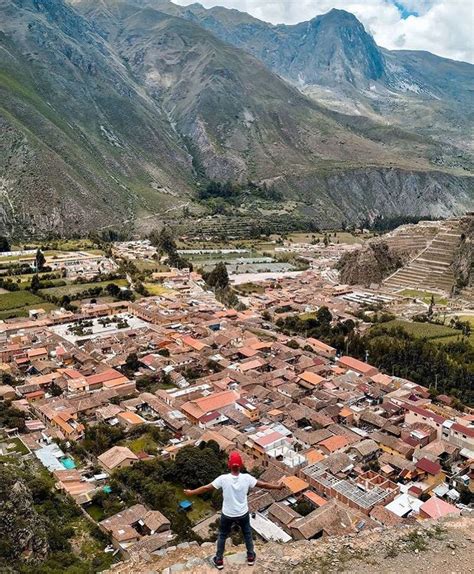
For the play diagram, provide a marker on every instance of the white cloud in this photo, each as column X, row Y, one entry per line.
column 443, row 27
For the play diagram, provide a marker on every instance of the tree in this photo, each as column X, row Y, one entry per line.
column 40, row 260
column 163, row 241
column 132, row 363
column 4, row 244
column 194, row 467
column 323, row 315
column 218, row 278
column 112, row 289
column 35, row 283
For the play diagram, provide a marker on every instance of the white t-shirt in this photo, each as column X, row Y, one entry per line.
column 234, row 490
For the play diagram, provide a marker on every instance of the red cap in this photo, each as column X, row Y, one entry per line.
column 235, row 460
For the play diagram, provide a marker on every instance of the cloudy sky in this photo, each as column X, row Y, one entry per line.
column 444, row 27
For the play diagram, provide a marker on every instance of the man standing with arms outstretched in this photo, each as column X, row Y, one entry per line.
column 235, row 510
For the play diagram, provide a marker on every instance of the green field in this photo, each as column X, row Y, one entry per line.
column 437, row 333
column 76, row 288
column 16, row 446
column 23, row 311
column 18, row 300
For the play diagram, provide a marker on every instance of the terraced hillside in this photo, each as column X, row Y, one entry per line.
column 432, row 268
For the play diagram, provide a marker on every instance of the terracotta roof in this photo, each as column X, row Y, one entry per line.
column 384, row 516
column 311, row 378
column 295, row 484
column 116, row 455
column 356, row 365
column 199, row 407
column 315, row 498
column 334, row 443
column 131, row 418
column 105, row 376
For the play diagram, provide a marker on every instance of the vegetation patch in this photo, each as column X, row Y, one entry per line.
column 18, row 300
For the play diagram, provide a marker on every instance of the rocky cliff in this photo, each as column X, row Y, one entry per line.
column 23, row 531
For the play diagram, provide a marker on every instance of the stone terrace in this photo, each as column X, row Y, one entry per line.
column 432, row 268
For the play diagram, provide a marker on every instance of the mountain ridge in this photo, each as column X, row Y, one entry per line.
column 114, row 113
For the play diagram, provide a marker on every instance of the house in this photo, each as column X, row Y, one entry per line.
column 295, row 485
column 131, row 525
column 332, row 444
column 130, row 420
column 330, row 519
column 282, row 515
column 359, row 367
column 321, row 348
column 197, row 408
column 7, row 393
column 437, row 508
column 365, row 450
column 117, row 457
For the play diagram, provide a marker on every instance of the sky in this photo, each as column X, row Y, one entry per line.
column 443, row 27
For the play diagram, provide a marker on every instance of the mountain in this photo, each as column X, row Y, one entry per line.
column 333, row 59
column 114, row 112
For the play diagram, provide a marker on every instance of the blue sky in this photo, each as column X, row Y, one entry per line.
column 443, row 27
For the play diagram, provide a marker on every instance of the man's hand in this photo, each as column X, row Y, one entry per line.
column 198, row 491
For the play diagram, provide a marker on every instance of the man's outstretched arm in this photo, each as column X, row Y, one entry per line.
column 270, row 485
column 200, row 490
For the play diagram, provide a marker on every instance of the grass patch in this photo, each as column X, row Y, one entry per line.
column 424, row 296
column 144, row 443
column 96, row 512
column 77, row 288
column 156, row 289
column 23, row 311
column 247, row 288
column 201, row 508
column 17, row 446
column 19, row 299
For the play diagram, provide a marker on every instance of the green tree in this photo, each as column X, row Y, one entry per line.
column 35, row 283
column 323, row 315
column 218, row 278
column 132, row 363
column 40, row 260
column 163, row 241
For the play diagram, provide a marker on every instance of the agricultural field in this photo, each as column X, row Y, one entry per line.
column 18, row 300
column 74, row 289
column 440, row 334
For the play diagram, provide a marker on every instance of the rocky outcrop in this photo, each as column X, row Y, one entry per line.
column 370, row 264
column 23, row 530
column 463, row 264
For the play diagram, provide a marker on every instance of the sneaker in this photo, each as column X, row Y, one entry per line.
column 218, row 563
column 251, row 559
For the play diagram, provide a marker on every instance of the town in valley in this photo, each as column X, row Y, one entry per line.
column 130, row 369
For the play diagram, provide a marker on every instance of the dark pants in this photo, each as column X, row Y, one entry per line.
column 225, row 528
